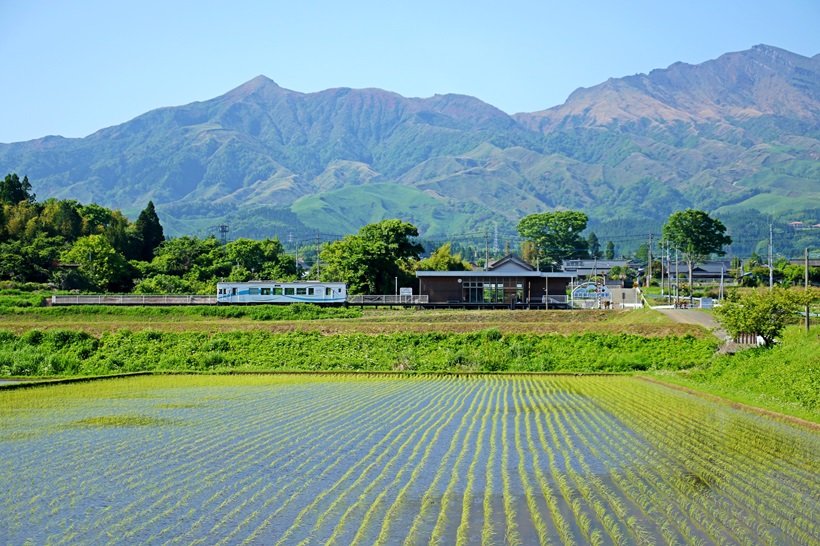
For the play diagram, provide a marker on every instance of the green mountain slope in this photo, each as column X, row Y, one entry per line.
column 739, row 133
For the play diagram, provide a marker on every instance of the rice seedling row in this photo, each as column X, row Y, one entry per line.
column 252, row 487
column 239, row 450
column 736, row 475
column 319, row 470
column 375, row 460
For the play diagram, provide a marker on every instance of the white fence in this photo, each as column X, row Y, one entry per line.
column 129, row 299
column 387, row 299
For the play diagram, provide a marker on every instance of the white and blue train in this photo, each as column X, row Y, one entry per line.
column 321, row 293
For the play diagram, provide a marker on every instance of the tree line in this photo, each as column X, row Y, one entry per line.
column 73, row 246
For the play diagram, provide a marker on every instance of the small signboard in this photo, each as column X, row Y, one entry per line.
column 591, row 291
column 706, row 303
column 406, row 291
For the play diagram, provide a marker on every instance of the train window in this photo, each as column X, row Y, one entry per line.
column 253, row 291
column 265, row 291
column 328, row 291
column 277, row 291
column 233, row 291
column 310, row 291
column 302, row 291
column 288, row 291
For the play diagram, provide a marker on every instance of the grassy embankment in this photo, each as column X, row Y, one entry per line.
column 784, row 378
column 99, row 340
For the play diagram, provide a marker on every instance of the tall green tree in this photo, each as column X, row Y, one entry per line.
column 593, row 246
column 371, row 261
column 98, row 262
column 642, row 253
column 555, row 235
column 264, row 259
column 696, row 235
column 149, row 231
column 181, row 255
column 442, row 259
column 609, row 253
column 13, row 190
column 61, row 218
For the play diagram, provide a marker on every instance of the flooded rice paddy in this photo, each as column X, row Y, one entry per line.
column 386, row 460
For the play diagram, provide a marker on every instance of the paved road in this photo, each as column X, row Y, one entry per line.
column 694, row 316
column 628, row 296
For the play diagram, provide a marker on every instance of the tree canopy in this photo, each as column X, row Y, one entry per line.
column 763, row 312
column 442, row 259
column 555, row 235
column 609, row 253
column 696, row 235
column 13, row 190
column 101, row 266
column 371, row 261
column 149, row 231
column 593, row 246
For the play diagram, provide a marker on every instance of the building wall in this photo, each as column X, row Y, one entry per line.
column 448, row 289
column 440, row 289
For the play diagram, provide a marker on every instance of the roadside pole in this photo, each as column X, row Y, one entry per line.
column 808, row 305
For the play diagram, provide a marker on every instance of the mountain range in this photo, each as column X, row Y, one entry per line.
column 733, row 135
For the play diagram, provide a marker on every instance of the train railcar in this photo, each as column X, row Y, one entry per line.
column 251, row 292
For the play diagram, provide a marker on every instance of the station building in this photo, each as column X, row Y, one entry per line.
column 508, row 282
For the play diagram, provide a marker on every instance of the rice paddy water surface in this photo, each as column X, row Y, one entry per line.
column 388, row 460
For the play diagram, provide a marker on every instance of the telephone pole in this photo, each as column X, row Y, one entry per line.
column 649, row 265
column 808, row 306
column 318, row 247
column 486, row 249
column 771, row 267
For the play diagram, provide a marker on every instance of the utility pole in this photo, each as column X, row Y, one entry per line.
column 486, row 250
column 771, row 267
column 677, row 276
column 318, row 247
column 806, row 262
column 663, row 284
column 720, row 292
column 649, row 259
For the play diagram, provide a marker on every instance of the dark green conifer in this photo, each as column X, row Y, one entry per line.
column 149, row 231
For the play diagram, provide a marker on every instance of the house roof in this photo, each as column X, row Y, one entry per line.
column 508, row 266
column 576, row 265
column 510, row 262
column 497, row 273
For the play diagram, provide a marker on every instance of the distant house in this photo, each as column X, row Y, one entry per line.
column 706, row 272
column 813, row 262
column 585, row 269
column 509, row 281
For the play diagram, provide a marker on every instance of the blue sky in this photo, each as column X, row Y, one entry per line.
column 71, row 68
